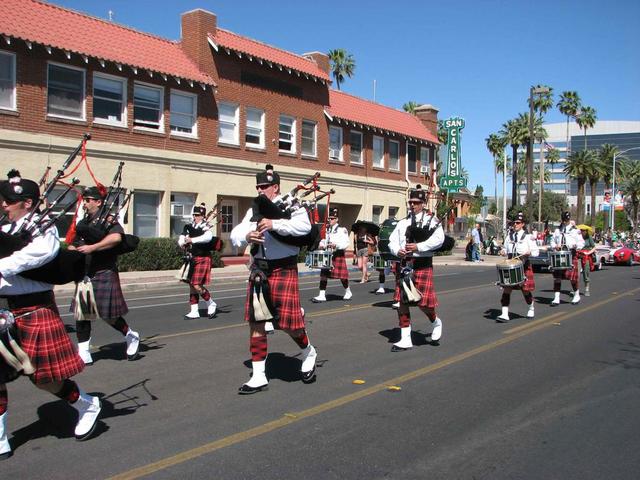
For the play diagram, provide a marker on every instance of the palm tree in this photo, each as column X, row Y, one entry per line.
column 569, row 104
column 410, row 107
column 605, row 156
column 538, row 133
column 552, row 156
column 536, row 174
column 495, row 145
column 512, row 135
column 631, row 189
column 577, row 168
column 595, row 172
column 342, row 65
column 586, row 119
column 542, row 103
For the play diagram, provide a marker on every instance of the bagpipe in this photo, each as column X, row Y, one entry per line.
column 68, row 265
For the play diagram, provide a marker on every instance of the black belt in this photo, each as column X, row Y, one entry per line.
column 422, row 262
column 268, row 266
column 13, row 302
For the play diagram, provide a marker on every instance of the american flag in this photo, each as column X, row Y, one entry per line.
column 548, row 146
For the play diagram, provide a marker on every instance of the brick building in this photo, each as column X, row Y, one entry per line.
column 195, row 119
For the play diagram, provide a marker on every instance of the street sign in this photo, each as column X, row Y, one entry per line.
column 453, row 180
column 452, row 183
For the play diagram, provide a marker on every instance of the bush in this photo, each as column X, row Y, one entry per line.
column 157, row 254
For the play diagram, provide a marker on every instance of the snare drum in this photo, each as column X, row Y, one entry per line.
column 560, row 260
column 319, row 259
column 379, row 262
column 510, row 273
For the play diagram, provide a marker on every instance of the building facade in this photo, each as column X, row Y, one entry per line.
column 195, row 119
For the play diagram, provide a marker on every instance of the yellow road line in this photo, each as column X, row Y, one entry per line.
column 289, row 418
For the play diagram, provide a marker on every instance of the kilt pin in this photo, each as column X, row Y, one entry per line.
column 283, row 285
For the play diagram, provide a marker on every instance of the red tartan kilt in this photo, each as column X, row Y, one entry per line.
column 529, row 284
column 201, row 271
column 285, row 296
column 339, row 269
column 571, row 275
column 108, row 294
column 423, row 279
column 42, row 336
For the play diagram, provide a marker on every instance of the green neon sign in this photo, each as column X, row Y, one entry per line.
column 453, row 180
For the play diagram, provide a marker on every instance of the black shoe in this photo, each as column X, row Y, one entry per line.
column 5, row 455
column 395, row 348
column 308, row 377
column 247, row 390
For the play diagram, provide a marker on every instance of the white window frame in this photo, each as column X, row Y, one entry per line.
column 236, row 124
column 194, row 123
column 133, row 100
column 123, row 110
column 84, row 91
column 293, row 133
column 361, row 156
column 262, row 117
column 406, row 155
column 380, row 157
column 314, row 139
column 138, row 215
column 14, row 95
column 397, row 168
column 332, row 151
column 425, row 157
column 379, row 214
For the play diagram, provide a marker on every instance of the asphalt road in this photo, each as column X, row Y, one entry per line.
column 555, row 397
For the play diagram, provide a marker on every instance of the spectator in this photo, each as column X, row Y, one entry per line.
column 476, row 237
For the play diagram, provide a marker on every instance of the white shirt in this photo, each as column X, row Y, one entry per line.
column 521, row 243
column 398, row 238
column 571, row 238
column 337, row 235
column 207, row 236
column 40, row 251
column 274, row 249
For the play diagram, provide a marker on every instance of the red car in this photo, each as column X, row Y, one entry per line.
column 625, row 256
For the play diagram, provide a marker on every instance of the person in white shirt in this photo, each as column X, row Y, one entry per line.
column 276, row 259
column 28, row 311
column 196, row 237
column 417, row 254
column 567, row 237
column 337, row 239
column 519, row 243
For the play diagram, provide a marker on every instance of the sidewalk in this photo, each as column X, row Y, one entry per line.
column 135, row 281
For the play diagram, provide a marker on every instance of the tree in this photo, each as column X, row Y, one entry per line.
column 586, row 119
column 595, row 172
column 553, row 204
column 552, row 156
column 478, row 200
column 536, row 174
column 410, row 107
column 539, row 133
column 512, row 135
column 605, row 156
column 569, row 104
column 631, row 188
column 342, row 65
column 495, row 144
column 577, row 168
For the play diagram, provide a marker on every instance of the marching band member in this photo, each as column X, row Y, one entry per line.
column 196, row 236
column 419, row 255
column 103, row 273
column 586, row 255
column 52, row 359
column 519, row 243
column 337, row 239
column 567, row 236
column 278, row 262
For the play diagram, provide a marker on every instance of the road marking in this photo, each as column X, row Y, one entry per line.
column 293, row 417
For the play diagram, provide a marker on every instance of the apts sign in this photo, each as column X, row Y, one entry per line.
column 453, row 180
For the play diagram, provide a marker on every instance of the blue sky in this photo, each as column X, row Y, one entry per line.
column 474, row 59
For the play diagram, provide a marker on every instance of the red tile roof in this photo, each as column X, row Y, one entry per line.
column 365, row 112
column 75, row 32
column 248, row 46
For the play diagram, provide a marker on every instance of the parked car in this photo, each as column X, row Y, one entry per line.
column 603, row 256
column 625, row 256
column 541, row 262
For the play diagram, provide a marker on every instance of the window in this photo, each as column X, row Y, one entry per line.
column 148, row 106
column 181, row 205
column 355, row 141
column 412, row 158
column 184, row 113
column 109, row 99
column 228, row 123
column 226, row 218
column 65, row 92
column 255, row 128
column 287, row 134
column 393, row 212
column 309, row 138
column 376, row 214
column 394, row 155
column 335, row 143
column 7, row 81
column 424, row 158
column 145, row 209
column 378, row 152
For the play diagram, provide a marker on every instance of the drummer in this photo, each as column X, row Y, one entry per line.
column 337, row 240
column 521, row 245
column 567, row 237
